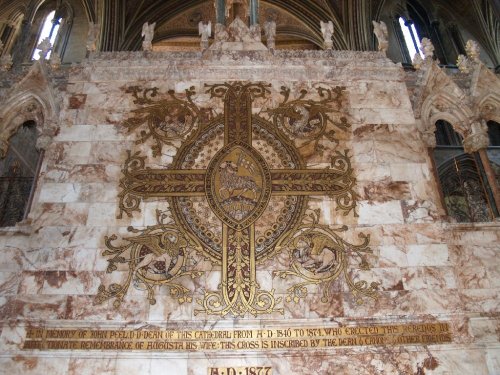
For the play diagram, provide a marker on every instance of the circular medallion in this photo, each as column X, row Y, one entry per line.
column 238, row 185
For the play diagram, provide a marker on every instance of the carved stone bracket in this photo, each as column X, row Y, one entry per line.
column 478, row 139
column 429, row 138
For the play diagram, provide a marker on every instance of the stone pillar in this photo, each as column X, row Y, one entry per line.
column 254, row 12
column 220, row 11
column 478, row 141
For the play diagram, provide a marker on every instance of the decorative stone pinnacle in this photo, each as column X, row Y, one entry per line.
column 55, row 61
column 473, row 51
column 427, row 48
column 417, row 61
column 44, row 48
column 463, row 64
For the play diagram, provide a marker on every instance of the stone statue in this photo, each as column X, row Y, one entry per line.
column 270, row 31
column 427, row 48
column 44, row 48
column 92, row 36
column 472, row 50
column 205, row 30
column 327, row 31
column 148, row 32
column 380, row 30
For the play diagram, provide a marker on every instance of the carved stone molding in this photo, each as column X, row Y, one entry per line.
column 429, row 138
column 478, row 138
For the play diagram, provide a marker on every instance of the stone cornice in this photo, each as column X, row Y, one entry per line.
column 307, row 65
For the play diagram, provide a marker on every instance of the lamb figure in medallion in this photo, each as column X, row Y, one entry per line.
column 230, row 181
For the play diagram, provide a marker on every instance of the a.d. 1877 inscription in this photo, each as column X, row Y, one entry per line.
column 240, row 370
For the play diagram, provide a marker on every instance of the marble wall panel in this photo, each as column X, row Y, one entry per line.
column 428, row 269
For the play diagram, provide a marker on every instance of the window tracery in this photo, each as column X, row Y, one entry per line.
column 464, row 185
column 494, row 148
column 50, row 29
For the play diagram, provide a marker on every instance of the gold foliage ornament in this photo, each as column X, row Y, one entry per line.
column 156, row 257
column 166, row 120
column 319, row 256
column 248, row 175
column 308, row 121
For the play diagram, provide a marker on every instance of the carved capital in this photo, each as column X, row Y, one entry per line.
column 43, row 142
column 429, row 138
column 478, row 138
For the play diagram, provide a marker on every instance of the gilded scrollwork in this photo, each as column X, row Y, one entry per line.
column 165, row 120
column 319, row 256
column 154, row 257
column 238, row 190
column 306, row 121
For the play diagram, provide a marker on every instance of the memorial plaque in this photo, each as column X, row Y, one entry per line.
column 237, row 340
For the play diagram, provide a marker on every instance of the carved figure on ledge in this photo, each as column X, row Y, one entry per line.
column 92, row 36
column 270, row 32
column 205, row 30
column 327, row 31
column 148, row 32
column 380, row 30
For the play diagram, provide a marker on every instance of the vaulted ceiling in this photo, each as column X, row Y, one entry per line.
column 297, row 20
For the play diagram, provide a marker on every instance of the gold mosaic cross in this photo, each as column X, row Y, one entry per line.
column 238, row 185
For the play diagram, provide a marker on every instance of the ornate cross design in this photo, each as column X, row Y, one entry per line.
column 238, row 185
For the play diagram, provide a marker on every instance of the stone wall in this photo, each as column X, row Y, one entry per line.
column 428, row 269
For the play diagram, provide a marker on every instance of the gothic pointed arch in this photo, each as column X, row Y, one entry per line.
column 438, row 97
column 32, row 99
column 443, row 106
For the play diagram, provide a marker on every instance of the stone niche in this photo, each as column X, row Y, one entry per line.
column 244, row 213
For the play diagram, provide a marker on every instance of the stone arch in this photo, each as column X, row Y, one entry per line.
column 489, row 107
column 27, row 108
column 442, row 106
column 30, row 100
